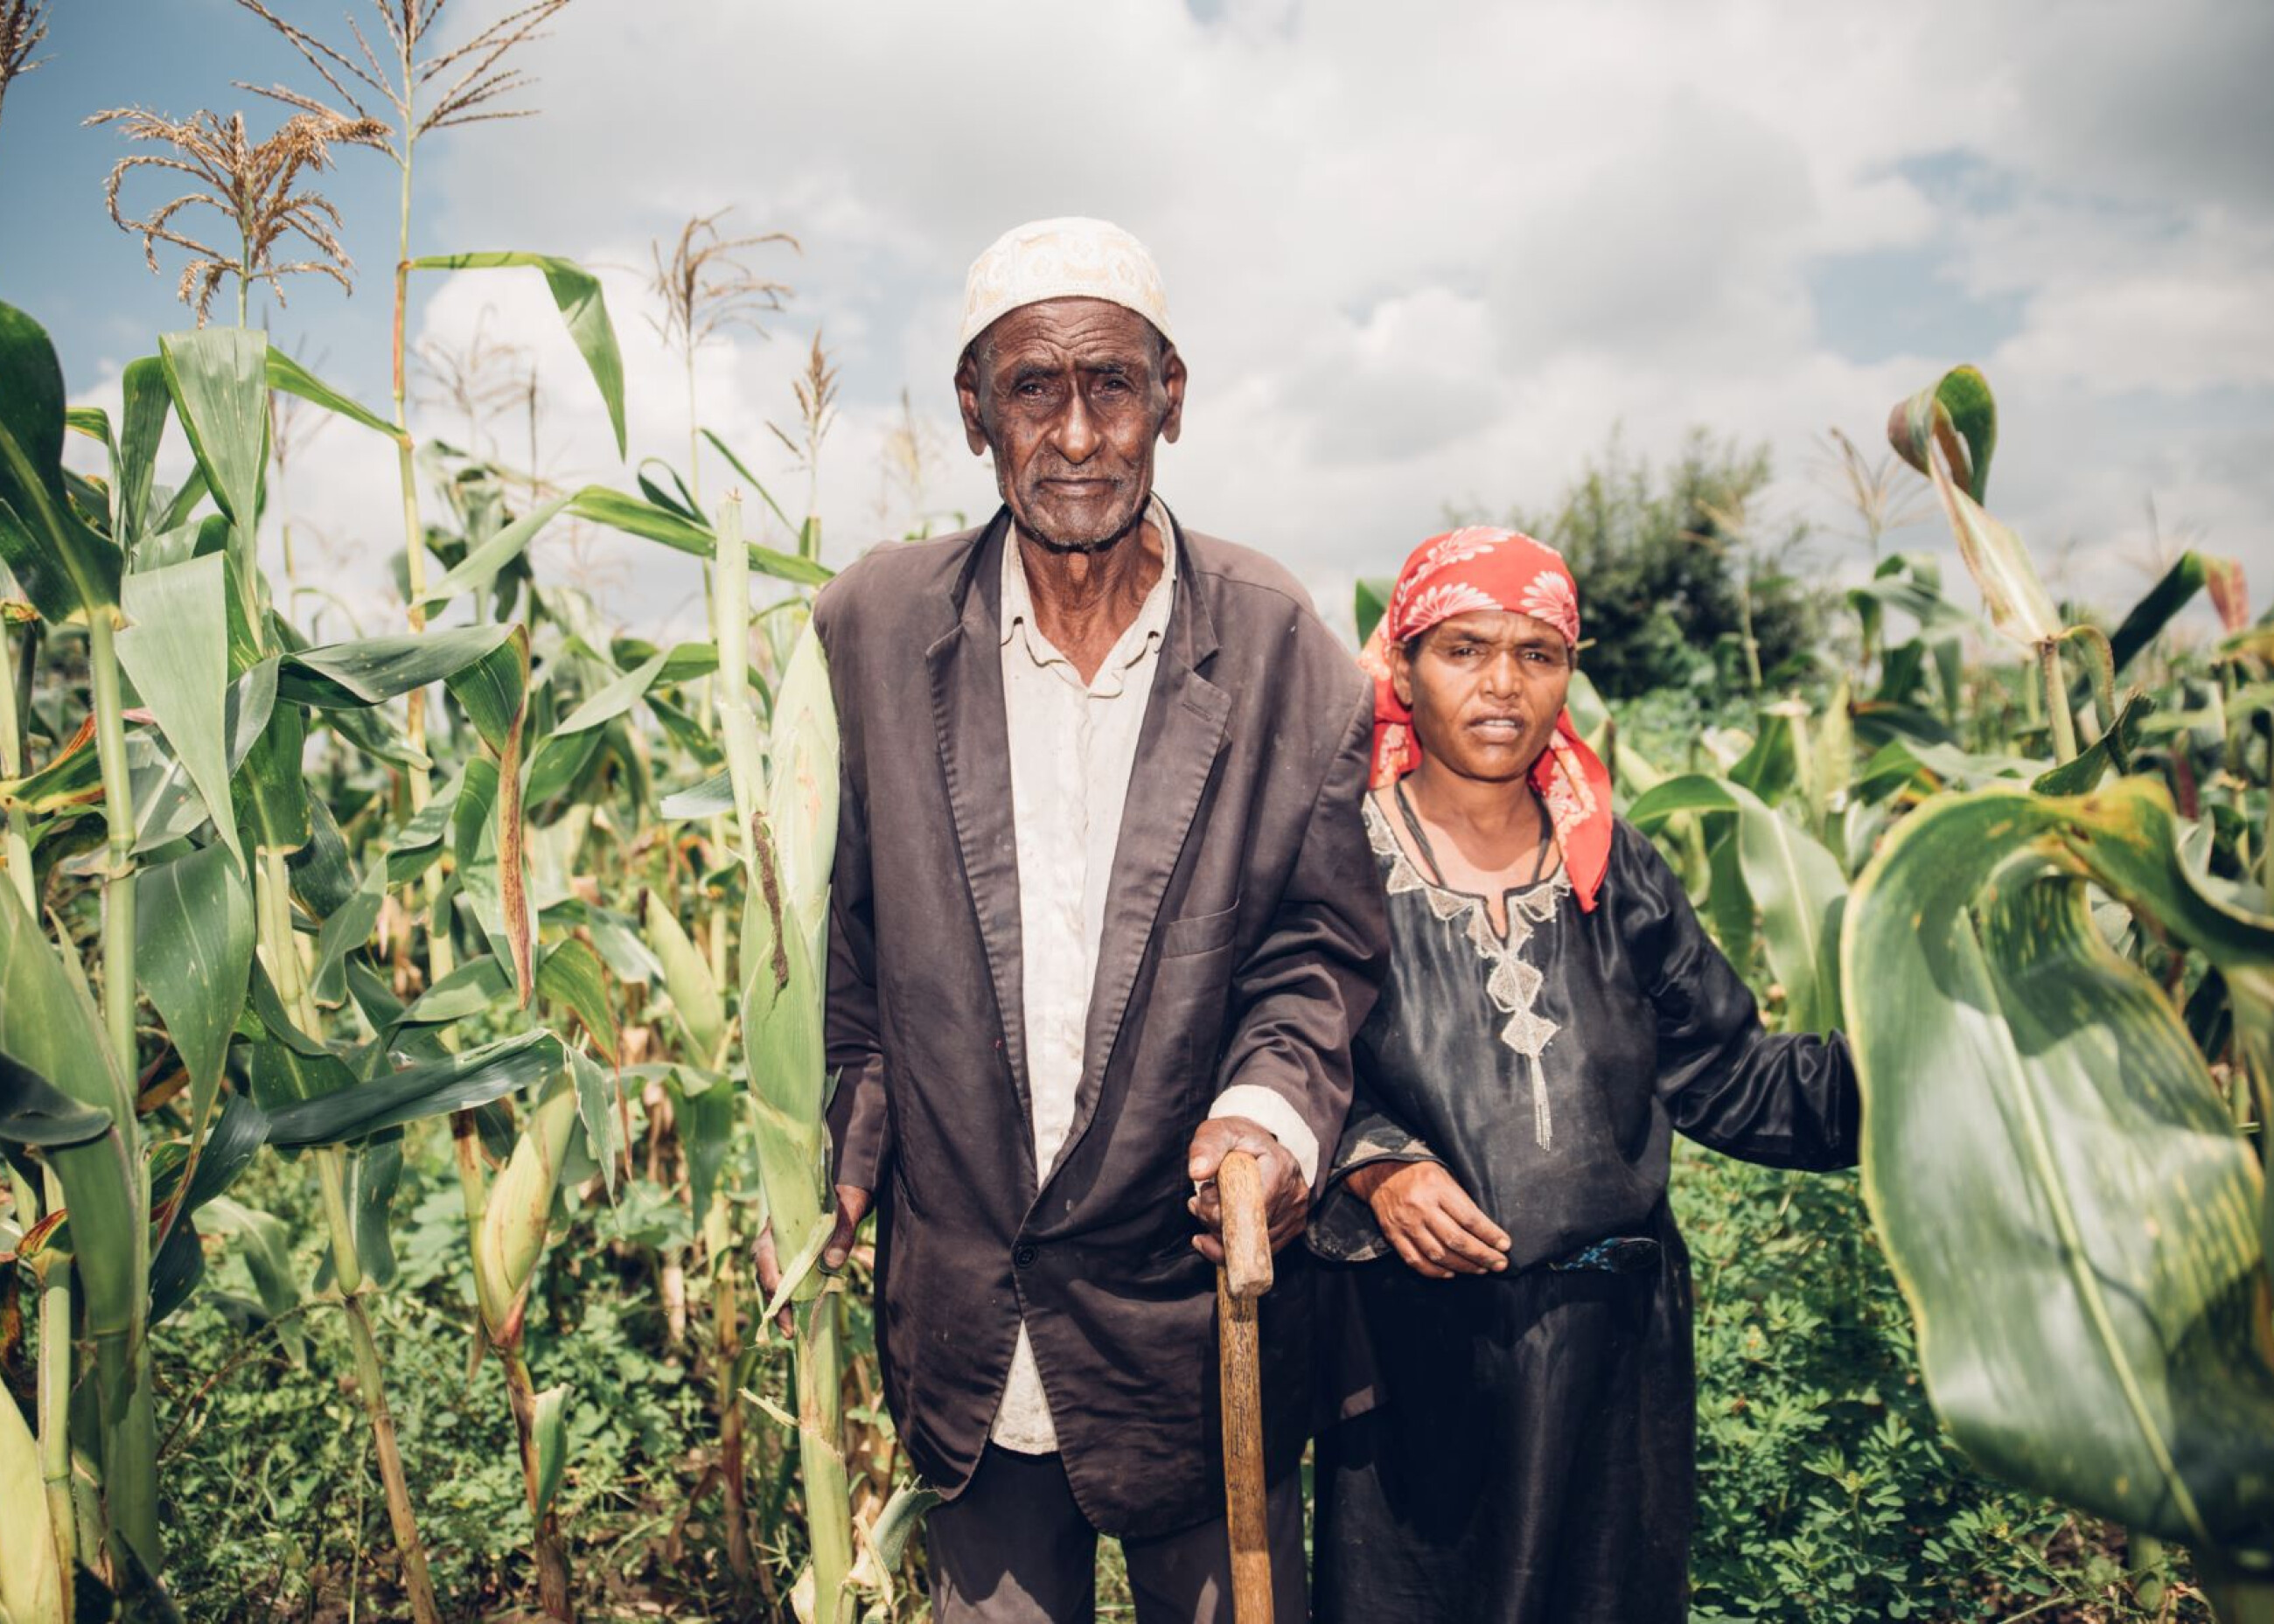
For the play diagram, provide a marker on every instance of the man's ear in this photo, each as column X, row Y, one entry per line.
column 1172, row 383
column 966, row 400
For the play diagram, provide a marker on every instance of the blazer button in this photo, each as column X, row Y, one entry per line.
column 1024, row 1257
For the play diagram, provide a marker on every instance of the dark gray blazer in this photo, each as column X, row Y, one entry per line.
column 1245, row 934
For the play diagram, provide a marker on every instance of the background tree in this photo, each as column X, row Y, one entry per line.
column 1666, row 566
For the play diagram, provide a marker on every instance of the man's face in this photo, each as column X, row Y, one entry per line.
column 1069, row 396
column 1484, row 689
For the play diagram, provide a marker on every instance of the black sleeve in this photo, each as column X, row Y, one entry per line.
column 1341, row 1226
column 1782, row 1099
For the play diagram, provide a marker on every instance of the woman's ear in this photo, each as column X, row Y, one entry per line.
column 1401, row 675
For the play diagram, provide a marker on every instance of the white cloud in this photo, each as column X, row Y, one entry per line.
column 1416, row 254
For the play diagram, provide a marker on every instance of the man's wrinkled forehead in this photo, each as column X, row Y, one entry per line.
column 1082, row 334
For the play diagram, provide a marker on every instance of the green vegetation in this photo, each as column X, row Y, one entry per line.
column 404, row 1037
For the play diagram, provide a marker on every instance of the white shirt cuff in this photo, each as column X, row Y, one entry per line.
column 1271, row 1111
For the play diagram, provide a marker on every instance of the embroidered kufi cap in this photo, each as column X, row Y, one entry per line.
column 1069, row 257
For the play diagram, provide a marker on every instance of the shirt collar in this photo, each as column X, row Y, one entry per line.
column 1149, row 626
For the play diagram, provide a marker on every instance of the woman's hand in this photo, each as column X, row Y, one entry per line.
column 1429, row 1219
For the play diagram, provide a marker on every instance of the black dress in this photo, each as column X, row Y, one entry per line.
column 1519, row 1447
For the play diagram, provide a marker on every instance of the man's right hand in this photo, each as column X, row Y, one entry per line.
column 1429, row 1219
column 852, row 1206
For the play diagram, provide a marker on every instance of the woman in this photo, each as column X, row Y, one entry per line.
column 1521, row 1408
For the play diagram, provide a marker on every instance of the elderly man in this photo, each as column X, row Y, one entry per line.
column 1104, row 911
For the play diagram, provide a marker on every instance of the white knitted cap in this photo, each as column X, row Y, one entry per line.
column 1065, row 258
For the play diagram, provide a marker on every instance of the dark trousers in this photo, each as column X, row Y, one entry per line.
column 1015, row 1548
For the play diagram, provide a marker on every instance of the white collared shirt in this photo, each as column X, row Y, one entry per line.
column 1073, row 747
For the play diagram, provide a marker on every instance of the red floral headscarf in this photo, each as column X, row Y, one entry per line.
column 1480, row 569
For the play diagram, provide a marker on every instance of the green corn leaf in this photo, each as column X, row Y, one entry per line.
column 240, row 1128
column 435, row 1090
column 2111, row 752
column 374, row 1172
column 49, row 1025
column 494, row 687
column 644, row 519
column 68, row 572
column 572, row 974
column 289, row 1074
column 322, row 876
column 683, row 660
column 272, row 790
column 193, row 936
column 560, row 765
column 419, row 844
column 706, row 1128
column 142, row 426
column 34, row 1111
column 598, row 1095
column 614, row 699
column 714, row 795
column 743, row 471
column 175, row 1272
column 288, row 376
column 576, row 293
column 480, row 566
column 174, row 649
column 1772, row 766
column 550, row 1429
column 218, row 380
column 1783, row 872
column 265, row 1243
column 2067, row 1204
column 2189, row 575
column 469, row 989
column 345, row 675
column 1370, row 601
column 182, row 503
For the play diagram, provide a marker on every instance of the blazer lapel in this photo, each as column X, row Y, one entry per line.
column 1177, row 748
column 974, row 752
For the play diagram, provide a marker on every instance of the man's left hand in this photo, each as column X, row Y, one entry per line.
column 1286, row 1193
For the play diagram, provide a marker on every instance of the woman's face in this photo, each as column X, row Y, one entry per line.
column 1484, row 690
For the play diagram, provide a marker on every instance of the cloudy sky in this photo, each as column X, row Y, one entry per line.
column 1417, row 255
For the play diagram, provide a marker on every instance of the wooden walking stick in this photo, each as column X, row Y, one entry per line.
column 1243, row 1277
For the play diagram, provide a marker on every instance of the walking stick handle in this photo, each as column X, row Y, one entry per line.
column 1246, row 1231
column 1244, row 1276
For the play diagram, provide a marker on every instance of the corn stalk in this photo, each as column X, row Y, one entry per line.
column 791, row 817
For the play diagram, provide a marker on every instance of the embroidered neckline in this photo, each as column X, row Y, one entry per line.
column 1513, row 983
